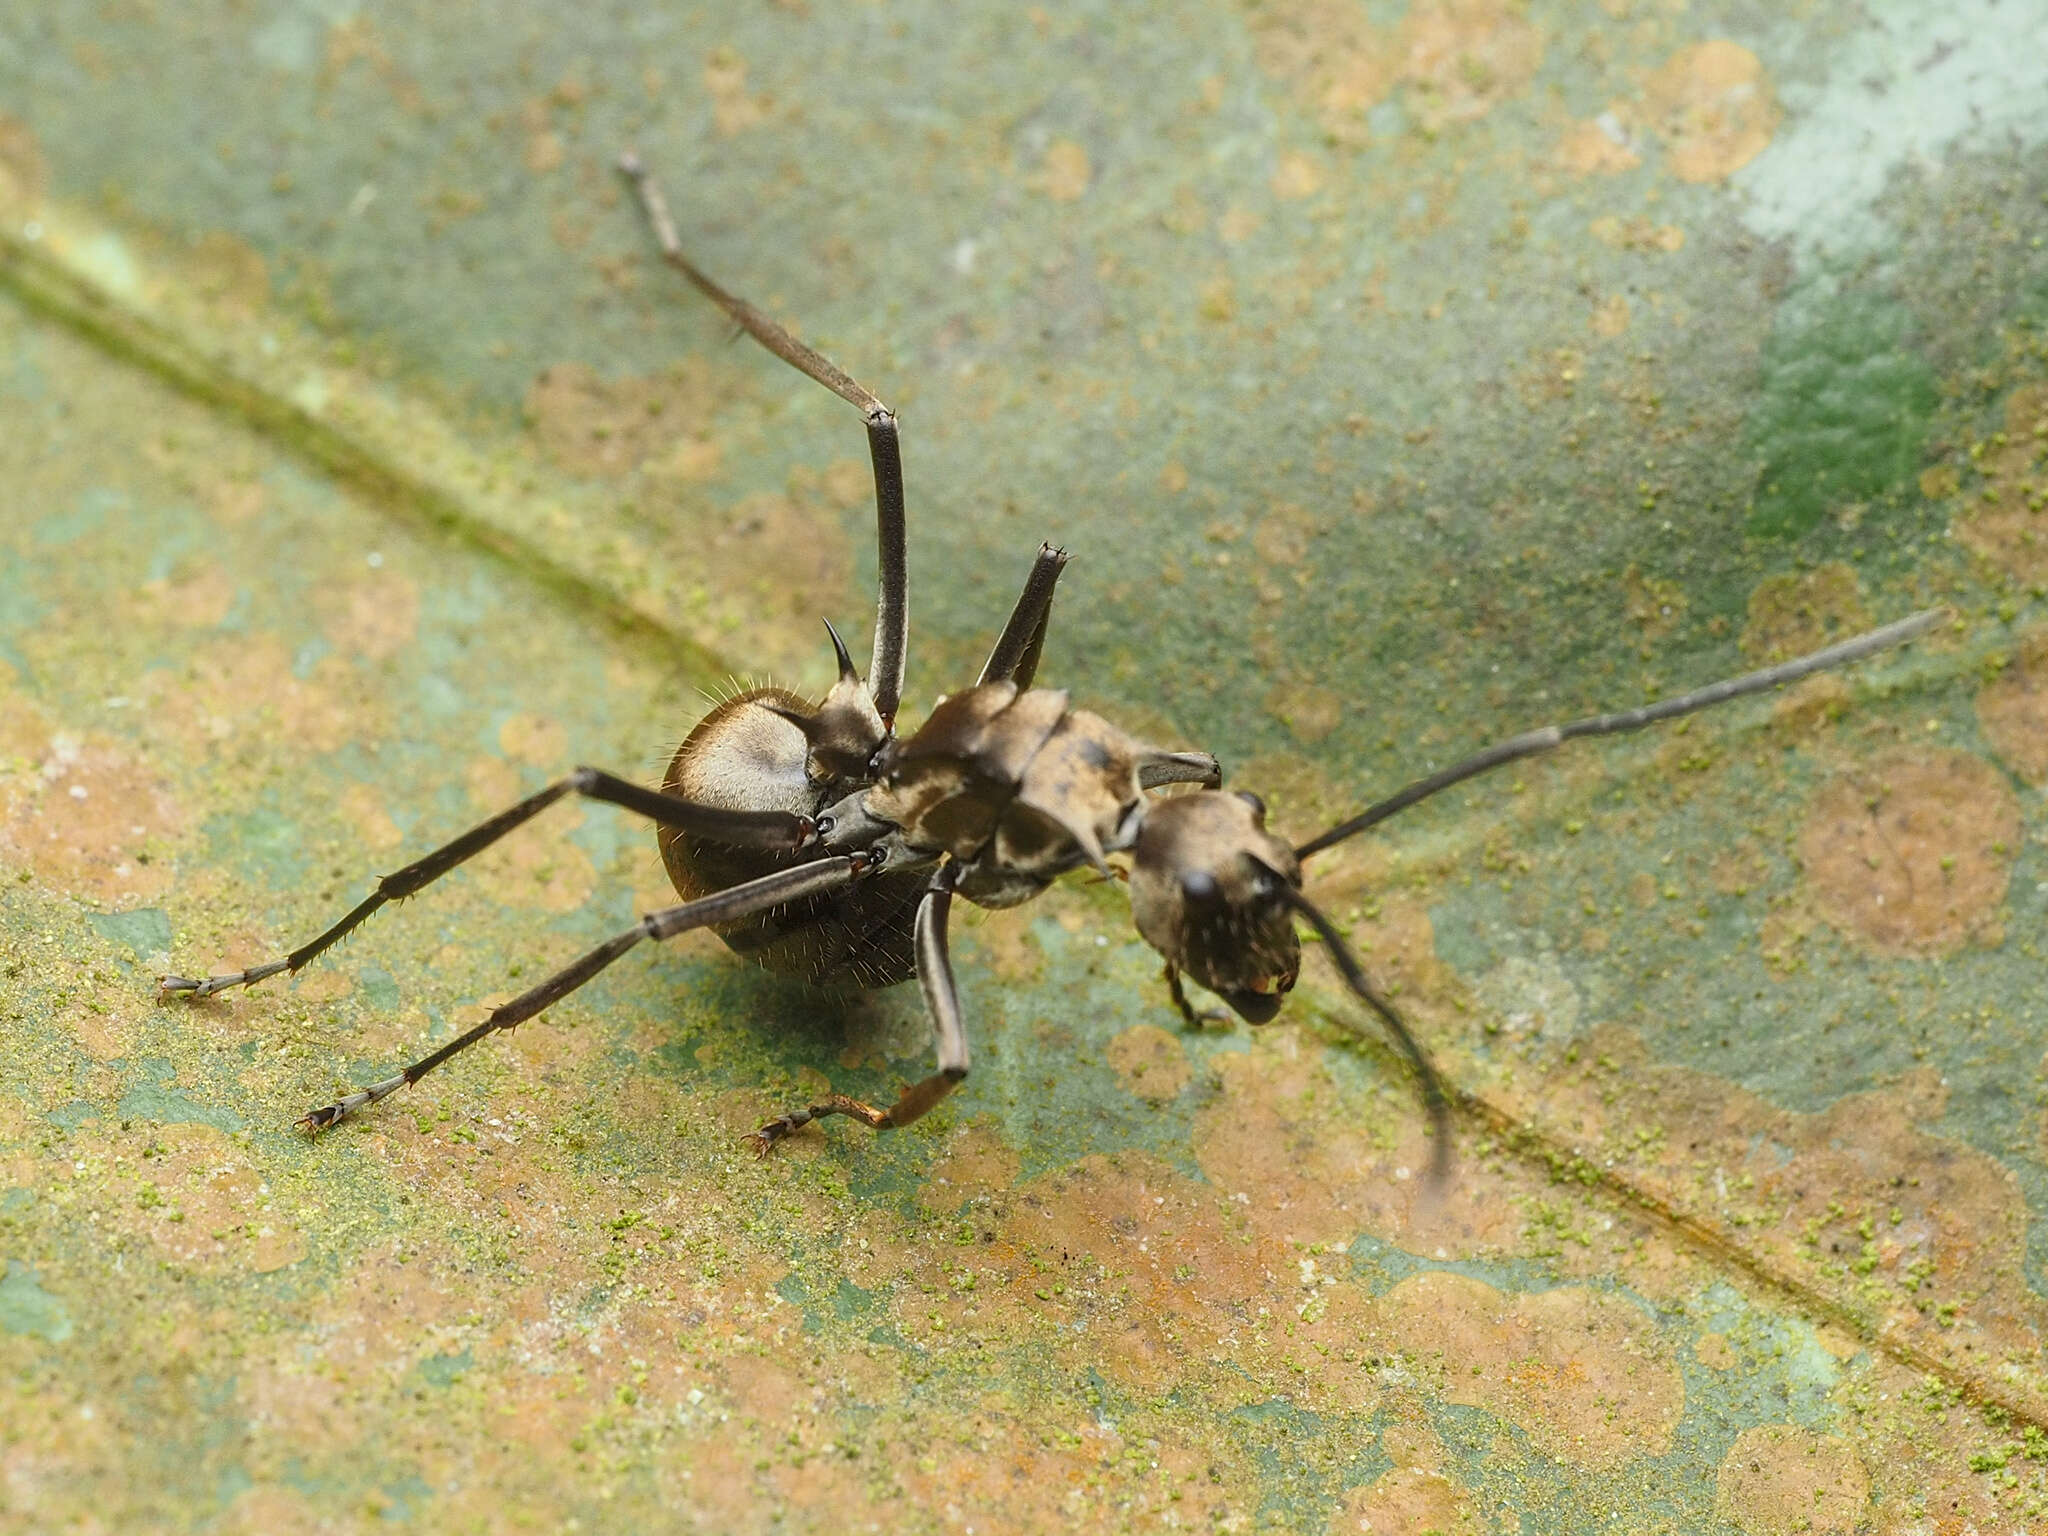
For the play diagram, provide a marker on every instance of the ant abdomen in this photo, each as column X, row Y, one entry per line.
column 749, row 754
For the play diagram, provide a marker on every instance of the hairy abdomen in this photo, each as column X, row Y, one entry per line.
column 743, row 757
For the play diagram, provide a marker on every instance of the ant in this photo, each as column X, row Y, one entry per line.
column 821, row 842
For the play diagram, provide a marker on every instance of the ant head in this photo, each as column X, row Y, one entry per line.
column 845, row 732
column 1206, row 893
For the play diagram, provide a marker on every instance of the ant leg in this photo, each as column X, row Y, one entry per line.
column 745, row 829
column 942, row 999
column 1196, row 1018
column 1017, row 649
column 892, row 607
column 725, row 907
column 1159, row 768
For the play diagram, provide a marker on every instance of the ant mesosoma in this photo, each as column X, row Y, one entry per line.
column 817, row 840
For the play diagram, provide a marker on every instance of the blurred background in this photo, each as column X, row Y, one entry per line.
column 1399, row 376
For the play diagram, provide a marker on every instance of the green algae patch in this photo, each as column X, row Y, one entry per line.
column 1844, row 407
column 143, row 932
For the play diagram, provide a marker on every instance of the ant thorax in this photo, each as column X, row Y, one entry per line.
column 1014, row 787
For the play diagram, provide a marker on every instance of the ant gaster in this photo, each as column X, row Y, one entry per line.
column 817, row 840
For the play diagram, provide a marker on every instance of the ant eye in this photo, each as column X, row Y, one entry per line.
column 1199, row 886
column 1258, row 806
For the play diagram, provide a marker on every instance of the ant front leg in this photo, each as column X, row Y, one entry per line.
column 747, row 829
column 885, row 450
column 1195, row 1018
column 942, row 1000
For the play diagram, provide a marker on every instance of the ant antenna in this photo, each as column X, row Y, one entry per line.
column 1532, row 743
column 1434, row 1099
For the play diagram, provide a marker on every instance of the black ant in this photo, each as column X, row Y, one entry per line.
column 817, row 840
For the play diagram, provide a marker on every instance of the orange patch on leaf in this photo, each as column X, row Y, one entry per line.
column 242, row 689
column 80, row 812
column 1150, row 1062
column 1911, row 852
column 1714, row 108
column 196, row 596
column 1778, row 1479
column 1407, row 1499
column 608, row 428
column 374, row 616
column 1458, row 59
column 24, row 174
column 1792, row 614
column 2007, row 520
column 2013, row 709
column 1598, row 147
column 1582, row 1373
column 733, row 110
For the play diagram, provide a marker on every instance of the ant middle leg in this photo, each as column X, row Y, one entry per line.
column 1195, row 1018
column 748, row 829
column 942, row 1001
column 725, row 906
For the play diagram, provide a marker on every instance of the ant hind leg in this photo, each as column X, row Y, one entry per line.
column 726, row 906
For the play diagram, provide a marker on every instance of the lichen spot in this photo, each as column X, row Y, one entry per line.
column 1458, row 59
column 1064, row 174
column 537, row 868
column 591, row 425
column 1778, row 1478
column 2013, row 709
column 1792, row 614
column 1142, row 1271
column 79, row 814
column 1715, row 1353
column 1309, row 711
column 1653, row 604
column 1582, row 1373
column 1911, row 852
column 733, row 109
column 2003, row 520
column 375, row 617
column 1714, row 108
column 1283, row 535
column 1296, row 176
column 1407, row 1499
column 230, row 274
column 976, row 1164
column 196, row 595
column 1599, row 146
column 1150, row 1063
column 533, row 738
column 1004, row 943
column 1463, row 58
column 363, row 808
column 24, row 174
